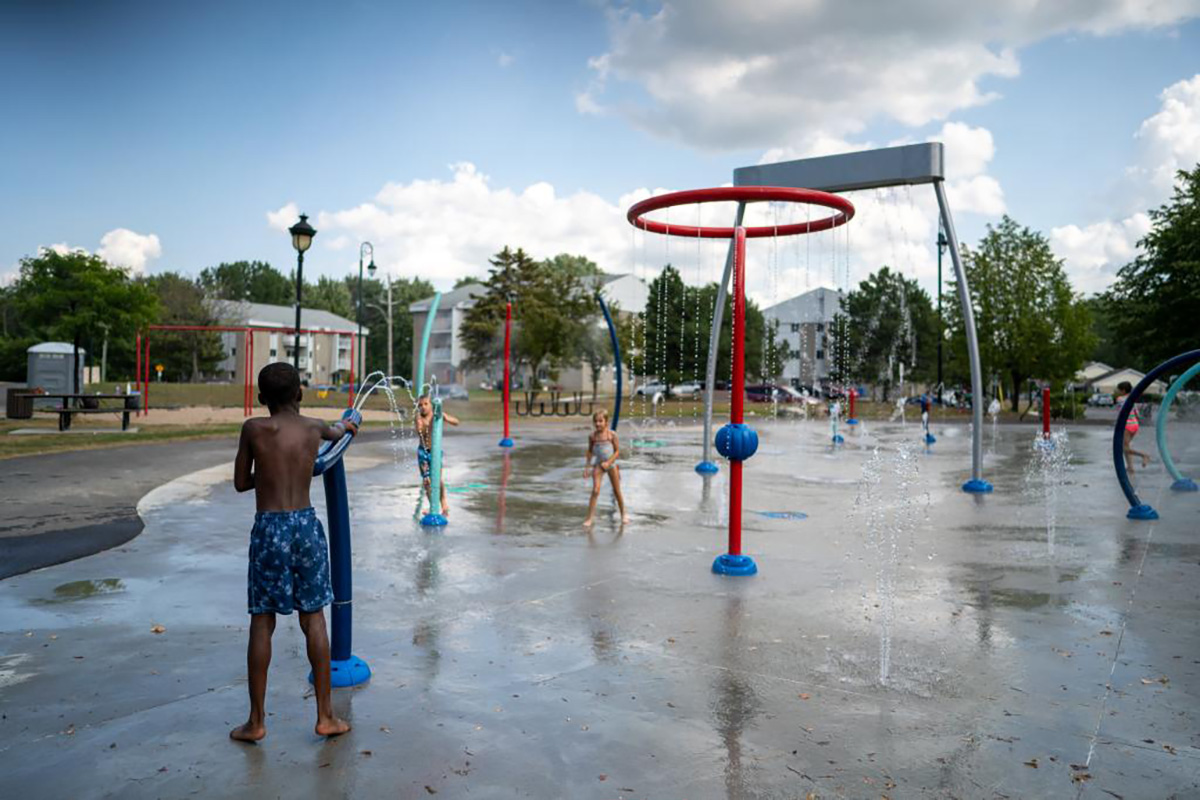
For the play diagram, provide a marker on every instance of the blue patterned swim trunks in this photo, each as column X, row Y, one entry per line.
column 289, row 563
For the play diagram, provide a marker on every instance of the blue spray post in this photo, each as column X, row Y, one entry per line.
column 419, row 376
column 925, row 407
column 616, row 346
column 347, row 669
column 1137, row 509
column 1181, row 484
column 434, row 518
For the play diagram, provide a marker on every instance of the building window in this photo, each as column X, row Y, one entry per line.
column 820, row 355
column 795, row 327
column 820, row 327
column 232, row 352
column 272, row 352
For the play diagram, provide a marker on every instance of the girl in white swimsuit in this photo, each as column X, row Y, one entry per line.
column 605, row 449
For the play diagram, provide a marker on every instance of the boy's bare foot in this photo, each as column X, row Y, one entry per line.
column 1145, row 461
column 625, row 520
column 587, row 523
column 332, row 726
column 250, row 732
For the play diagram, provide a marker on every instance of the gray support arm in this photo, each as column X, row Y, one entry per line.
column 714, row 340
column 977, row 483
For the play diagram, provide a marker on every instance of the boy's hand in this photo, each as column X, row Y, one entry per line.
column 351, row 419
column 350, row 427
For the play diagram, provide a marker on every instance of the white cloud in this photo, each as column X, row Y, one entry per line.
column 125, row 248
column 62, row 248
column 717, row 75
column 442, row 230
column 505, row 59
column 284, row 217
column 1168, row 140
column 1094, row 253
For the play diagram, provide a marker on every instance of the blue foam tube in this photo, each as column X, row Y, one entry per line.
column 1138, row 509
column 1160, row 430
column 616, row 346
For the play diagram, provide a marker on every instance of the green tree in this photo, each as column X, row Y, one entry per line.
column 185, row 355
column 1029, row 322
column 332, row 295
column 889, row 319
column 1155, row 302
column 253, row 281
column 1111, row 348
column 76, row 295
column 552, row 311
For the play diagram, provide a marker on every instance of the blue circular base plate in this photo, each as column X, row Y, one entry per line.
column 707, row 468
column 1185, row 485
column 930, row 438
column 1142, row 512
column 977, row 486
column 351, row 672
column 506, row 442
column 839, row 439
column 852, row 421
column 734, row 565
column 434, row 521
column 1045, row 444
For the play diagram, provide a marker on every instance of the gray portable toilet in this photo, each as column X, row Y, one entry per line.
column 49, row 368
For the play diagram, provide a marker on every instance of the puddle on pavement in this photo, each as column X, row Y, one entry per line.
column 81, row 590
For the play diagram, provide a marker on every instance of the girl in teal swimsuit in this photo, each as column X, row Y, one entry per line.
column 605, row 448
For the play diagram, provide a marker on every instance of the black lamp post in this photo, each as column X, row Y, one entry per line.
column 302, row 236
column 362, row 351
column 941, row 245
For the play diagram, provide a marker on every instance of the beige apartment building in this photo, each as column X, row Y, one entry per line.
column 325, row 349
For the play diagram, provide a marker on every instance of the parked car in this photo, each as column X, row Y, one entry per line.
column 686, row 390
column 650, row 389
column 772, row 393
column 1101, row 399
column 451, row 391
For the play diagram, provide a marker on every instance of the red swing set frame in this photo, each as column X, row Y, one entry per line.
column 143, row 356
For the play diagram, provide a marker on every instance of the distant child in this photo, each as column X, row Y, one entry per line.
column 425, row 449
column 1132, row 425
column 605, row 447
column 289, row 557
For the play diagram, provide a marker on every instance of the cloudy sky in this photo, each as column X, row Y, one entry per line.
column 179, row 135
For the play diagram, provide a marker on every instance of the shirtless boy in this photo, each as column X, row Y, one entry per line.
column 289, row 556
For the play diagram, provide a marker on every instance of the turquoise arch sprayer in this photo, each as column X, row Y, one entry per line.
column 1182, row 483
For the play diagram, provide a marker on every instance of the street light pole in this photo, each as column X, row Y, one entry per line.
column 941, row 245
column 362, row 352
column 302, row 236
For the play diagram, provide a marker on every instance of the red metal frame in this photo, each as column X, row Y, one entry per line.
column 142, row 373
column 507, row 341
column 853, row 396
column 844, row 212
column 1046, row 412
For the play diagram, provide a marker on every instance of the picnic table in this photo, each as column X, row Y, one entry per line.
column 72, row 404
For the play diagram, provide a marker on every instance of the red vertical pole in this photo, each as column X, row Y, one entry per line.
column 1046, row 413
column 853, row 395
column 146, row 367
column 353, row 344
column 507, row 344
column 137, row 375
column 249, row 374
column 739, row 386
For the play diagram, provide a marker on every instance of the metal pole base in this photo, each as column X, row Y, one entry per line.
column 1185, row 485
column 434, row 521
column 506, row 442
column 727, row 564
column 1045, row 444
column 839, row 439
column 1142, row 512
column 977, row 486
column 852, row 421
column 930, row 438
column 707, row 468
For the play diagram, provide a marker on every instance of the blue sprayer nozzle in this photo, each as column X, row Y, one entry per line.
column 352, row 415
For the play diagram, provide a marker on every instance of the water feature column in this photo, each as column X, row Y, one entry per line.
column 507, row 440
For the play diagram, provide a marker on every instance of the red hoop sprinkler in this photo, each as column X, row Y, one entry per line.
column 736, row 440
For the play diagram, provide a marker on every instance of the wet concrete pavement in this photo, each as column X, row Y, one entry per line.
column 516, row 655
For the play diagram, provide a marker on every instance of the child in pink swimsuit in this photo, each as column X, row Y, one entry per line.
column 1132, row 425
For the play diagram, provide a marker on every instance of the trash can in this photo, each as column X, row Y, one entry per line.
column 19, row 404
